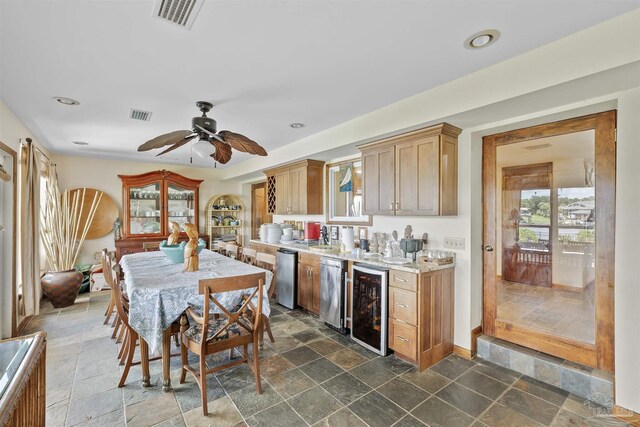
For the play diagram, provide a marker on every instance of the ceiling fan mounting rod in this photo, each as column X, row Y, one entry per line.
column 204, row 106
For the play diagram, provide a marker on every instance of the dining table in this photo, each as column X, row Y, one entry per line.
column 160, row 291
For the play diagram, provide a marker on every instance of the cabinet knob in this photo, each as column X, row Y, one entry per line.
column 390, row 206
column 398, row 206
column 401, row 305
column 401, row 338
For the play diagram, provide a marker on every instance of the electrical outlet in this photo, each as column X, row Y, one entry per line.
column 456, row 243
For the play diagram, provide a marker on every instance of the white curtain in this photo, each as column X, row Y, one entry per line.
column 30, row 160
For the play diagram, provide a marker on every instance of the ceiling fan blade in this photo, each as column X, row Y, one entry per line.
column 223, row 152
column 210, row 133
column 242, row 143
column 177, row 145
column 166, row 139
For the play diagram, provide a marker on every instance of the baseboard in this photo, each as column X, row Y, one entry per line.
column 630, row 417
column 23, row 325
column 474, row 340
column 462, row 352
column 567, row 287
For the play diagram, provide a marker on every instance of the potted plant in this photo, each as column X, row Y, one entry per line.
column 65, row 223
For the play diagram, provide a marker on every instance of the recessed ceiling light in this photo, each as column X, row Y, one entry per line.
column 66, row 101
column 482, row 39
column 296, row 125
column 80, row 143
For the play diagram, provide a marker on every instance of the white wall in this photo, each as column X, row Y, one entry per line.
column 78, row 172
column 577, row 75
column 627, row 284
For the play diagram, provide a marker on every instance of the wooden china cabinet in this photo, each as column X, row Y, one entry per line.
column 150, row 201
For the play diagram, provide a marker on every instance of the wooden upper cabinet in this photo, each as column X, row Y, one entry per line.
column 412, row 174
column 297, row 188
column 378, row 171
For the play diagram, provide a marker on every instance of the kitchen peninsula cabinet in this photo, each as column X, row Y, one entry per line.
column 296, row 188
column 149, row 202
column 412, row 174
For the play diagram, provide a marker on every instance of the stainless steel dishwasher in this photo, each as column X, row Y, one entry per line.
column 286, row 277
column 333, row 293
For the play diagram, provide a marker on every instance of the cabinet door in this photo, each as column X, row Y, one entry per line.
column 298, row 191
column 378, row 172
column 315, row 289
column 282, row 192
column 304, row 286
column 180, row 204
column 417, row 177
column 144, row 214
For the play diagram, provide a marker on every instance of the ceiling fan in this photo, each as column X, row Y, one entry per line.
column 210, row 143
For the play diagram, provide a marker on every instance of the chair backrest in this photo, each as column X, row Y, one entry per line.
column 249, row 256
column 210, row 287
column 150, row 246
column 268, row 262
column 112, row 277
column 222, row 248
column 232, row 251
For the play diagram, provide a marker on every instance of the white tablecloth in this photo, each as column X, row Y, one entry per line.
column 160, row 291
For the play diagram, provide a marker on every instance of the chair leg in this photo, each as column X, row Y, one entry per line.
column 183, row 348
column 131, row 344
column 116, row 326
column 256, row 365
column 203, row 385
column 267, row 326
column 175, row 340
column 109, row 311
column 124, row 348
column 121, row 333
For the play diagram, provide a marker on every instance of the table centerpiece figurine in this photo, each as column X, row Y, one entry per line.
column 191, row 248
column 175, row 233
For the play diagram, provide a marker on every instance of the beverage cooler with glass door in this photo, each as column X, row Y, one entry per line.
column 369, row 315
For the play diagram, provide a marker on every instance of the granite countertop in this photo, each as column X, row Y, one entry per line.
column 412, row 267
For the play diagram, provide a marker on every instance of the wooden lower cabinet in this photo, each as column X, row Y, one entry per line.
column 309, row 282
column 421, row 316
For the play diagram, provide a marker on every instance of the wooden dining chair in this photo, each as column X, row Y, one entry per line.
column 268, row 262
column 249, row 256
column 213, row 333
column 131, row 336
column 232, row 250
column 222, row 248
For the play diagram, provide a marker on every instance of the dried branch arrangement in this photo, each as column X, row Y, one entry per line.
column 61, row 234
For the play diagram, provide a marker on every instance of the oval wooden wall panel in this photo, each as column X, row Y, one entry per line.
column 105, row 216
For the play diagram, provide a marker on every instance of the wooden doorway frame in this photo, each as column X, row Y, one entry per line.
column 600, row 354
column 255, row 187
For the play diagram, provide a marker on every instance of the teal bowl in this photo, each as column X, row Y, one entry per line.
column 176, row 252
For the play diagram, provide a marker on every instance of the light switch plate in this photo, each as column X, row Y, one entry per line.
column 456, row 243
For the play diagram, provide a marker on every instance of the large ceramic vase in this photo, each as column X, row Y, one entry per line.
column 62, row 287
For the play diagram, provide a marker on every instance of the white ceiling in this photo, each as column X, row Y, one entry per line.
column 264, row 64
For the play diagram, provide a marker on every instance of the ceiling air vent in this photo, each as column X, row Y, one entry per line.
column 135, row 114
column 179, row 12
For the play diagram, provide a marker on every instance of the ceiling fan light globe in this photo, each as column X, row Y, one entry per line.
column 203, row 148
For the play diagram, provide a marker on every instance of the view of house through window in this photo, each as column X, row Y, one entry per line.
column 546, row 204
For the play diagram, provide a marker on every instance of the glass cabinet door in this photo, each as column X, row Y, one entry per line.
column 145, row 206
column 181, row 205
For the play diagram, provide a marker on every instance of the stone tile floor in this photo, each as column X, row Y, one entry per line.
column 310, row 376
